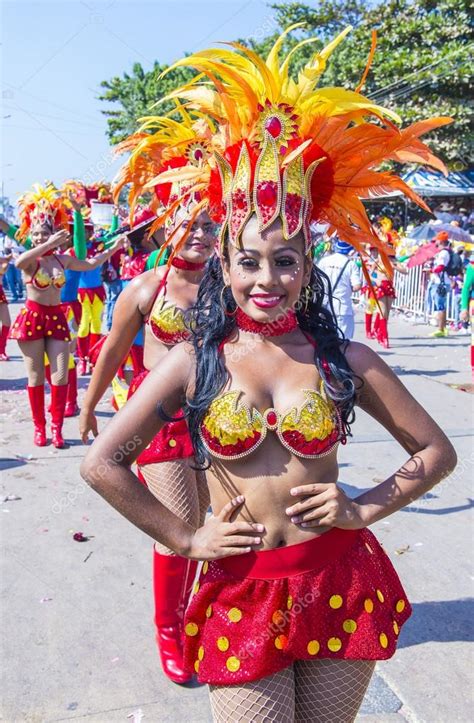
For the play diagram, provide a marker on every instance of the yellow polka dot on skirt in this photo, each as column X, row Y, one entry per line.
column 55, row 318
column 28, row 323
column 313, row 647
column 205, row 567
column 380, row 595
column 35, row 313
column 368, row 605
column 196, row 588
column 334, row 644
column 191, row 629
column 209, row 611
column 335, row 601
column 281, row 641
column 201, row 653
column 233, row 664
column 278, row 617
column 349, row 626
column 234, row 615
column 396, row 629
column 383, row 640
column 196, row 666
column 289, row 602
column 223, row 644
column 400, row 606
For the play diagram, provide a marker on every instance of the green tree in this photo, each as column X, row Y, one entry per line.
column 421, row 67
column 136, row 93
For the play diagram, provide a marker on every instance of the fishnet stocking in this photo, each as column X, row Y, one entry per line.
column 330, row 690
column 176, row 485
column 324, row 691
column 267, row 699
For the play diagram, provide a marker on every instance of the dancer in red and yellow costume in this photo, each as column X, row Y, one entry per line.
column 41, row 326
column 154, row 304
column 296, row 598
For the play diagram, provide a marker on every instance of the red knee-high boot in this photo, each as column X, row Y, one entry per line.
column 383, row 336
column 172, row 581
column 93, row 340
column 36, row 397
column 58, row 404
column 83, row 353
column 368, row 326
column 71, row 408
column 3, row 342
column 376, row 328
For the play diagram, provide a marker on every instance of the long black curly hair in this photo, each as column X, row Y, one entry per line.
column 211, row 325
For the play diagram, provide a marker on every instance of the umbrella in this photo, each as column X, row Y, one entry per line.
column 455, row 232
column 425, row 253
column 428, row 231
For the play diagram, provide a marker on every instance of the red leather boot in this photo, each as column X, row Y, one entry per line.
column 383, row 336
column 376, row 328
column 83, row 354
column 172, row 582
column 58, row 404
column 94, row 339
column 3, row 342
column 71, row 408
column 368, row 326
column 36, row 397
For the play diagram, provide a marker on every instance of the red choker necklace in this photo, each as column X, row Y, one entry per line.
column 280, row 326
column 180, row 263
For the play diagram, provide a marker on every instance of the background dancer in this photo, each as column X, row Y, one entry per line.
column 41, row 326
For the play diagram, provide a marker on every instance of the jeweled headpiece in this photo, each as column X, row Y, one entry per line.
column 286, row 149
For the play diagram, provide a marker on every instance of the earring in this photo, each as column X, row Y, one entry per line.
column 223, row 304
column 307, row 296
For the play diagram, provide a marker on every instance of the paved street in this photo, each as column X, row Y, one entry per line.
column 77, row 617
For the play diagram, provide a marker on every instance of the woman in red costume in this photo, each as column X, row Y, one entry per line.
column 296, row 598
column 41, row 326
column 154, row 303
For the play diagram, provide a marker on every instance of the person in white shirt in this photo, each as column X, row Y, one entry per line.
column 441, row 283
column 345, row 278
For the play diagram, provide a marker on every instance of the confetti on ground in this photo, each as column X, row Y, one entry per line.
column 9, row 498
column 402, row 550
column 80, row 537
column 86, row 558
column 137, row 716
column 45, row 599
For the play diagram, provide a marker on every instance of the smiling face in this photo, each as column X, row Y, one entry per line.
column 201, row 240
column 267, row 273
column 40, row 233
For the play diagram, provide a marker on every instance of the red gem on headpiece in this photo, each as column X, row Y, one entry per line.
column 266, row 193
column 274, row 126
column 198, row 154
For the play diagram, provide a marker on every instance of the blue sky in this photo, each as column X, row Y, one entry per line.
column 56, row 53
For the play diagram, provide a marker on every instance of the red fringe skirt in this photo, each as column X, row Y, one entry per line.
column 37, row 321
column 171, row 442
column 385, row 288
column 335, row 596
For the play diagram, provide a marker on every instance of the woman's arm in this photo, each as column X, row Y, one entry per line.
column 28, row 259
column 432, row 456
column 127, row 321
column 106, row 469
column 69, row 262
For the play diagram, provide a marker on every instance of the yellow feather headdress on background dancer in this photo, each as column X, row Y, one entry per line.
column 43, row 205
column 163, row 144
column 290, row 150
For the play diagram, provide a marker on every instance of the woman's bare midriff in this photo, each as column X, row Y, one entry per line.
column 265, row 479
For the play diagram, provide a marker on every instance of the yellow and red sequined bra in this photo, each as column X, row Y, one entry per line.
column 232, row 430
column 166, row 320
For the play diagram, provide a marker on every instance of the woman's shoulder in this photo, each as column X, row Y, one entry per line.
column 360, row 357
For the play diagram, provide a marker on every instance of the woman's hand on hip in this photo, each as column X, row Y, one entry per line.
column 219, row 537
column 324, row 505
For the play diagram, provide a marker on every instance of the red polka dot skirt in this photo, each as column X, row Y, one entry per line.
column 335, row 596
column 37, row 321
